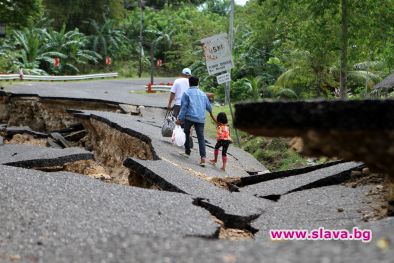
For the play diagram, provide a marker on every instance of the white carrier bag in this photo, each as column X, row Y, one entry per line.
column 178, row 136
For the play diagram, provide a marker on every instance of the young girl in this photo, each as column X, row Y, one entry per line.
column 223, row 139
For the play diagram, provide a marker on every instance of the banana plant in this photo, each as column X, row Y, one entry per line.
column 31, row 51
column 74, row 45
column 106, row 40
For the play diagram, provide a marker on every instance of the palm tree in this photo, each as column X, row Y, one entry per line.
column 32, row 51
column 73, row 44
column 157, row 38
column 106, row 40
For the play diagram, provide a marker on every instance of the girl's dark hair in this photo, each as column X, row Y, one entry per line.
column 222, row 118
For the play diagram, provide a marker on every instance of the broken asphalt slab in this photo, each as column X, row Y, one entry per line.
column 332, row 207
column 27, row 156
column 333, row 174
column 164, row 149
column 10, row 131
column 263, row 177
column 352, row 130
column 56, row 209
column 235, row 209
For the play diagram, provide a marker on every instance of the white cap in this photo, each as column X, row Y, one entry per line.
column 186, row 71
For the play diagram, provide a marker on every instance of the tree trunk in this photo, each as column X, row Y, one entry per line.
column 344, row 42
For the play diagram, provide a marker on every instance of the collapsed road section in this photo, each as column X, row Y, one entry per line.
column 154, row 193
column 112, row 138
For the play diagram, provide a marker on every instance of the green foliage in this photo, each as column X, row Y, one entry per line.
column 176, row 37
column 282, row 49
column 274, row 153
column 20, row 13
column 74, row 13
column 34, row 51
column 73, row 45
column 220, row 7
column 106, row 40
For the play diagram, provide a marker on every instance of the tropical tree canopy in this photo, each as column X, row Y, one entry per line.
column 282, row 49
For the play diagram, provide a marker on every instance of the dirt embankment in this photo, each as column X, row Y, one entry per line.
column 112, row 147
column 44, row 114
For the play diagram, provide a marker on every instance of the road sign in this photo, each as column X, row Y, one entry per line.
column 217, row 53
column 2, row 30
column 226, row 77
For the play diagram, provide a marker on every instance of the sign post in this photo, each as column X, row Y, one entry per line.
column 219, row 60
column 224, row 78
column 217, row 53
column 228, row 84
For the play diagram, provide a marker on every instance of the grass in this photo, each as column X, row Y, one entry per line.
column 273, row 153
column 210, row 125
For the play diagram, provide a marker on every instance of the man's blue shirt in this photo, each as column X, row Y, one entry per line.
column 193, row 105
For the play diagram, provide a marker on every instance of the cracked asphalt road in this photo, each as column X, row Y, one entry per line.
column 56, row 209
column 115, row 91
column 65, row 217
column 165, row 150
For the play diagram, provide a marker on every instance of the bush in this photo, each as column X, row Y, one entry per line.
column 274, row 153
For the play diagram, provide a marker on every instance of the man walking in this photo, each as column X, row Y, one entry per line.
column 178, row 88
column 194, row 103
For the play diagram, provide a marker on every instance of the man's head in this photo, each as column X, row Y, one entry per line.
column 193, row 81
column 186, row 72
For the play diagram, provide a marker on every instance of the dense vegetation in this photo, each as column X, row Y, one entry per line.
column 283, row 49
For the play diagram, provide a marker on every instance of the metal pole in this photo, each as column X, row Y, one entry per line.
column 141, row 39
column 152, row 62
column 228, row 84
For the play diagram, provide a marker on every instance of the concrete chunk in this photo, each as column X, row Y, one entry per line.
column 27, row 156
column 10, row 131
column 307, row 180
column 60, row 140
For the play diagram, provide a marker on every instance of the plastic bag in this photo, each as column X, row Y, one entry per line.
column 168, row 125
column 178, row 136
